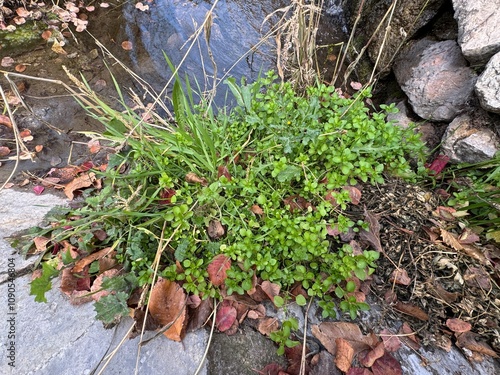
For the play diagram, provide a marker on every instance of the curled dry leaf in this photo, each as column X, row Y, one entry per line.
column 4, row 151
column 469, row 341
column 223, row 171
column 372, row 235
column 5, row 120
column 217, row 269
column 400, row 276
column 387, row 365
column 458, row 325
column 84, row 262
column 257, row 210
column 193, row 178
column 127, row 45
column 412, row 310
column 354, row 194
column 167, row 304
column 344, row 354
column 83, row 181
column 215, row 229
column 368, row 357
column 268, row 325
column 409, row 337
column 40, row 244
column 391, row 341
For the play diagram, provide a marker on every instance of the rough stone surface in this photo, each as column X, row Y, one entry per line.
column 59, row 338
column 488, row 85
column 435, row 78
column 466, row 142
column 478, row 28
column 241, row 354
column 408, row 17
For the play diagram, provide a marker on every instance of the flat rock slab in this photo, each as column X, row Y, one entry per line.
column 59, row 338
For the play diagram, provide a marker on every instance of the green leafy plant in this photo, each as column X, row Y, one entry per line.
column 259, row 183
column 283, row 336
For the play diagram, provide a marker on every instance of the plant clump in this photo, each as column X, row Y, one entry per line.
column 218, row 203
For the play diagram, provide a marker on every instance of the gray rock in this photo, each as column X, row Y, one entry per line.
column 402, row 117
column 478, row 29
column 465, row 142
column 488, row 85
column 435, row 78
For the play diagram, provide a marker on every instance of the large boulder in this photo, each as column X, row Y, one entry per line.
column 408, row 17
column 488, row 85
column 478, row 29
column 436, row 79
column 467, row 141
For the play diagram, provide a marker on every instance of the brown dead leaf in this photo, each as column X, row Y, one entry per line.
column 458, row 325
column 359, row 371
column 444, row 342
column 412, row 310
column 20, row 68
column 344, row 354
column 198, row 317
column 328, row 332
column 4, row 151
column 215, row 229
column 225, row 317
column 217, row 269
column 372, row 235
column 475, row 252
column 477, row 276
column 58, row 48
column 82, row 181
column 270, row 289
column 223, row 171
column 409, row 337
column 438, row 291
column 257, row 210
column 445, row 213
column 38, row 148
column 267, row 325
column 193, row 178
column 387, row 365
column 354, row 194
column 296, row 202
column 94, row 146
column 84, row 262
column 400, row 276
column 167, row 304
column 392, row 343
column 96, row 289
column 469, row 341
column 468, row 237
column 40, row 244
column 46, row 34
column 368, row 357
column 5, row 120
column 450, row 239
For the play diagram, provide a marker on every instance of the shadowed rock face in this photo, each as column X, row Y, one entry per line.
column 236, row 28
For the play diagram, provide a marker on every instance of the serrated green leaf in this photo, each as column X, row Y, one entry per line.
column 112, row 307
column 180, row 252
column 289, row 173
column 42, row 284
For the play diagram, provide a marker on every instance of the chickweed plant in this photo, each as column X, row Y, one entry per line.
column 260, row 183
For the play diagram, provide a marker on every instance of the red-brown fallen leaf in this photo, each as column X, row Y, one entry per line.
column 368, row 357
column 38, row 189
column 20, row 68
column 65, row 174
column 354, row 194
column 71, row 282
column 412, row 310
column 25, row 133
column 82, row 181
column 5, row 120
column 193, row 301
column 344, row 354
column 477, row 276
column 4, row 151
column 296, row 202
column 38, row 148
column 468, row 237
column 225, row 318
column 328, row 332
column 223, row 171
column 294, row 357
column 257, row 210
column 84, row 262
column 356, row 85
column 469, row 341
column 409, row 337
column 450, row 239
column 445, row 213
column 198, row 317
column 166, row 196
column 267, row 325
column 400, row 276
column 272, row 369
column 94, row 146
column 217, row 269
column 22, row 12
column 215, row 229
column 359, row 371
column 127, row 45
column 270, row 289
column 387, row 365
column 438, row 164
column 391, row 342
column 96, row 289
column 372, row 235
column 458, row 325
column 46, row 34
column 167, row 304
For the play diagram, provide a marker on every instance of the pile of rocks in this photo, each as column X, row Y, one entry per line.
column 445, row 55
